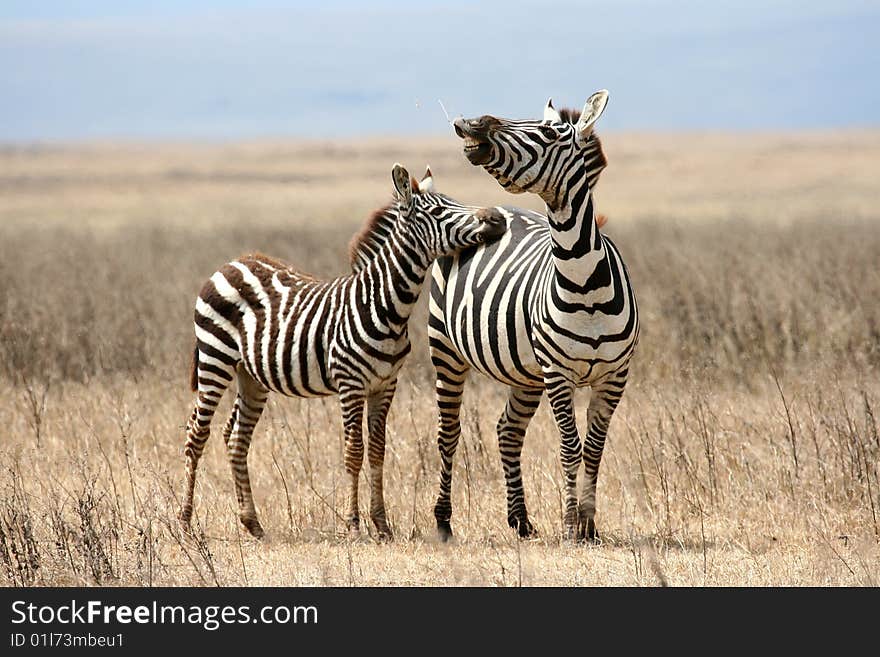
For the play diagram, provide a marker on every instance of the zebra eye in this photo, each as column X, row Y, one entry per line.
column 548, row 132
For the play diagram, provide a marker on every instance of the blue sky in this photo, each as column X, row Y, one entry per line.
column 226, row 70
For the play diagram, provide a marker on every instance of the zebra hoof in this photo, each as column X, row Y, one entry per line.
column 383, row 531
column 253, row 526
column 587, row 532
column 523, row 527
column 593, row 534
column 444, row 530
column 354, row 527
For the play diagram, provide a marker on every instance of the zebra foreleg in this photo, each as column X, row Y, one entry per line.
column 560, row 393
column 603, row 401
column 511, row 428
column 246, row 413
column 449, row 389
column 377, row 414
column 352, row 403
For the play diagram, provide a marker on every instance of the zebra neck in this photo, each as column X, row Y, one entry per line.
column 393, row 280
column 578, row 250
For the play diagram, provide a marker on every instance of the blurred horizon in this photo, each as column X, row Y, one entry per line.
column 221, row 70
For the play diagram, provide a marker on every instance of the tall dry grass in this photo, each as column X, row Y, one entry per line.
column 745, row 451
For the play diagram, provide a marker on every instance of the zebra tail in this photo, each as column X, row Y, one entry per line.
column 194, row 370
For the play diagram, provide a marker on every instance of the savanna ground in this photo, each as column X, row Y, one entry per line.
column 744, row 453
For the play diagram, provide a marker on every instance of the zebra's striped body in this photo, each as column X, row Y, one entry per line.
column 273, row 328
column 547, row 307
column 497, row 307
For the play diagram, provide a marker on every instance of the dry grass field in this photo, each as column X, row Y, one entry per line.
column 745, row 451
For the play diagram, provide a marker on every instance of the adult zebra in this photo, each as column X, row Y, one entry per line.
column 275, row 328
column 547, row 307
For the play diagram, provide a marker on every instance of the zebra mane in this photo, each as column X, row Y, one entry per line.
column 595, row 155
column 569, row 115
column 595, row 159
column 370, row 239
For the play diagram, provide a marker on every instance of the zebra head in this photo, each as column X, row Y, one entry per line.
column 442, row 225
column 534, row 155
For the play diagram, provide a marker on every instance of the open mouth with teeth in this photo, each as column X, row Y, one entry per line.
column 477, row 148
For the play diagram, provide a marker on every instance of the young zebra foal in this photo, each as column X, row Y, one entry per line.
column 272, row 327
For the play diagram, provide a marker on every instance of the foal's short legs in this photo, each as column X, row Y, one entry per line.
column 212, row 378
column 377, row 414
column 245, row 413
column 351, row 401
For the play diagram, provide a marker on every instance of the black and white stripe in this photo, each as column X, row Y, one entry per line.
column 273, row 328
column 547, row 307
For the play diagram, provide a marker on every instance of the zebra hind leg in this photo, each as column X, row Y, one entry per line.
column 604, row 399
column 449, row 389
column 518, row 412
column 238, row 432
column 211, row 378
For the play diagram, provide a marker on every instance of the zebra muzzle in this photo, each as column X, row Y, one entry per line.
column 475, row 133
column 492, row 222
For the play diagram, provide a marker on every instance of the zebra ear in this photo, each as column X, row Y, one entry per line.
column 402, row 185
column 593, row 109
column 550, row 113
column 427, row 183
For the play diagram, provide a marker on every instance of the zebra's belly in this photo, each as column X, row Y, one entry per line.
column 496, row 345
column 308, row 370
column 519, row 365
column 370, row 365
column 491, row 333
column 586, row 368
column 299, row 369
column 501, row 337
column 585, row 347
